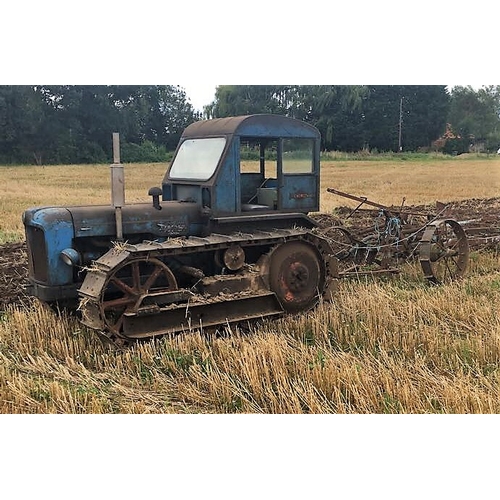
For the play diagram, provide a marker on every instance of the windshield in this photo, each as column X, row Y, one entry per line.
column 197, row 159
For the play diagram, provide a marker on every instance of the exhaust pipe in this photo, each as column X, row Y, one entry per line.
column 117, row 186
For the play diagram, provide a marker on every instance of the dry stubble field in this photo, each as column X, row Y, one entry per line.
column 385, row 345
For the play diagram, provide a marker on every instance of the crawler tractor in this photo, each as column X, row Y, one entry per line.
column 220, row 242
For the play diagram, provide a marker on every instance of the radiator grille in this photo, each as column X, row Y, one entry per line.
column 37, row 254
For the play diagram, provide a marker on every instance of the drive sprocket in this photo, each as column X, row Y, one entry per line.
column 297, row 275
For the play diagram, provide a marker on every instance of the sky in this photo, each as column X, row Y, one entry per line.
column 199, row 94
column 134, row 48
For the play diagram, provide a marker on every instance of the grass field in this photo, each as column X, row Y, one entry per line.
column 385, row 346
column 387, row 182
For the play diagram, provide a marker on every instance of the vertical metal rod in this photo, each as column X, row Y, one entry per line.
column 119, row 224
column 117, row 186
column 116, row 147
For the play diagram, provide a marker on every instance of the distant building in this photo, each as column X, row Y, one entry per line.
column 439, row 144
column 452, row 143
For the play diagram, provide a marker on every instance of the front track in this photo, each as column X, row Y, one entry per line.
column 150, row 289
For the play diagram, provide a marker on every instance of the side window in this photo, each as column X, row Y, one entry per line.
column 258, row 169
column 252, row 159
column 298, row 156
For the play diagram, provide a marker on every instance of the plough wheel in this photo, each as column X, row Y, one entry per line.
column 444, row 251
column 128, row 285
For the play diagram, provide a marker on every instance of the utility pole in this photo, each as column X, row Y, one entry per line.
column 400, row 148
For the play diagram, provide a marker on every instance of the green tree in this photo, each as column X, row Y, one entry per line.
column 317, row 104
column 336, row 110
column 424, row 111
column 349, row 117
column 475, row 114
column 417, row 112
column 74, row 123
column 22, row 121
column 236, row 100
column 164, row 113
column 85, row 119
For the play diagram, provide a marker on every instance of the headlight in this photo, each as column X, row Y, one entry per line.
column 70, row 257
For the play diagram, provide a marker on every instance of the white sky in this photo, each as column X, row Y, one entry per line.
column 132, row 47
column 199, row 94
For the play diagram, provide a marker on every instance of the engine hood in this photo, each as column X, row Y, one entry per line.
column 174, row 219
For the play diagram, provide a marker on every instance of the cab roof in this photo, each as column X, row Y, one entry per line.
column 260, row 125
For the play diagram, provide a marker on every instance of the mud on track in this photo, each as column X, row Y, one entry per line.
column 13, row 274
column 483, row 213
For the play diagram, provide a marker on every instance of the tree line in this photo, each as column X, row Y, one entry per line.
column 64, row 124
column 381, row 117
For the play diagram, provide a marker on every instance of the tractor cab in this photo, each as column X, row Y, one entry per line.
column 256, row 163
